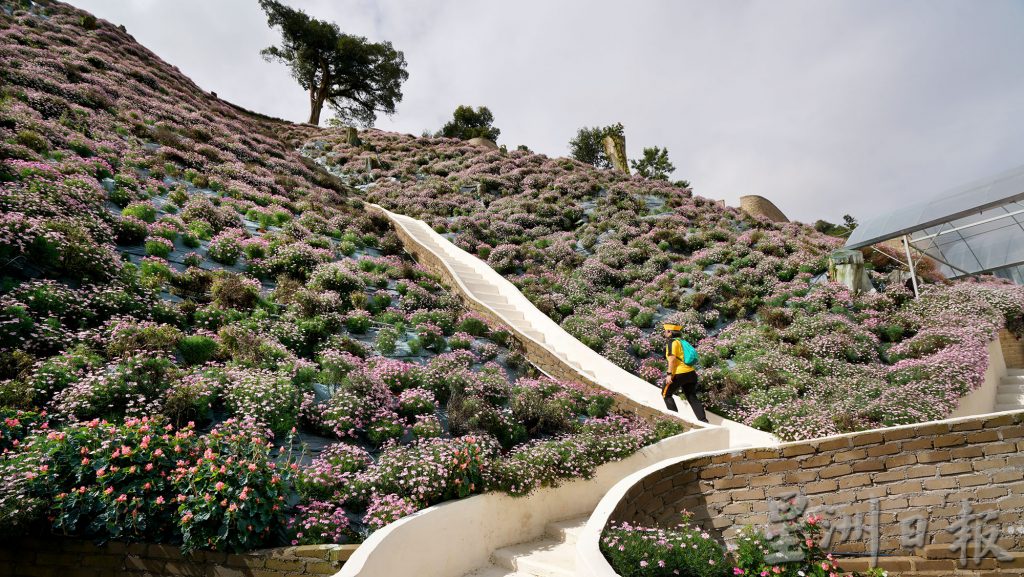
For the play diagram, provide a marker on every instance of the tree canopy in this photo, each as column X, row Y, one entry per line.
column 355, row 77
column 654, row 164
column 467, row 123
column 588, row 146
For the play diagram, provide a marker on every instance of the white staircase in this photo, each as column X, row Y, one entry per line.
column 553, row 555
column 1010, row 394
column 501, row 297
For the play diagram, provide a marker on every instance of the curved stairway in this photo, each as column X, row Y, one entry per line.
column 481, row 283
column 553, row 553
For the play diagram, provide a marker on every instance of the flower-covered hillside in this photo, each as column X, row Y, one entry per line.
column 610, row 257
column 186, row 302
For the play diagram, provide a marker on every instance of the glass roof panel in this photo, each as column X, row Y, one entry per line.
column 961, row 204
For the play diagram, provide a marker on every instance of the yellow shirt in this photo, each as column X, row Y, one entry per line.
column 677, row 352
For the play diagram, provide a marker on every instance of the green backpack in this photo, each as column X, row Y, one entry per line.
column 690, row 356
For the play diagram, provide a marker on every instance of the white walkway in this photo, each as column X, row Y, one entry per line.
column 481, row 283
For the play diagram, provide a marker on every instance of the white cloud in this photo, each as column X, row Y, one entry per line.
column 826, row 108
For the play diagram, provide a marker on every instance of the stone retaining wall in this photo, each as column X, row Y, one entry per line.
column 61, row 557
column 1013, row 349
column 925, row 470
column 537, row 354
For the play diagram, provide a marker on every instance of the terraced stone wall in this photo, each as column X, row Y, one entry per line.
column 59, row 557
column 537, row 354
column 926, row 470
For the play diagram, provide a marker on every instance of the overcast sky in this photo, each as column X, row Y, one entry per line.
column 826, row 108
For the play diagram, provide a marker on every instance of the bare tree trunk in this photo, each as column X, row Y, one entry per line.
column 315, row 108
column 316, row 105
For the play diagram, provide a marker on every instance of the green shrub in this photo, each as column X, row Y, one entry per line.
column 236, row 291
column 33, row 141
column 197, row 349
column 357, row 322
column 386, row 342
column 141, row 210
column 131, row 230
column 134, row 337
column 158, row 246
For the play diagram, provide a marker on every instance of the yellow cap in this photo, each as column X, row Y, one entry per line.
column 670, row 327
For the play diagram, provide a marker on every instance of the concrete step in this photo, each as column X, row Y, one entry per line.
column 1012, row 380
column 1015, row 372
column 1009, row 399
column 1008, row 407
column 535, row 336
column 543, row 558
column 1010, row 389
column 566, row 531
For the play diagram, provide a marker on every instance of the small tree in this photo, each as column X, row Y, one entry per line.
column 357, row 78
column 588, row 146
column 654, row 164
column 467, row 123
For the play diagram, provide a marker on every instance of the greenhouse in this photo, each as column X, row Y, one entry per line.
column 975, row 228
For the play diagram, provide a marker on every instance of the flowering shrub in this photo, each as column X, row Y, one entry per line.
column 685, row 549
column 264, row 396
column 146, row 481
column 226, row 247
column 793, row 553
column 335, row 466
column 233, row 496
column 426, row 472
column 318, row 522
column 414, row 402
column 385, row 509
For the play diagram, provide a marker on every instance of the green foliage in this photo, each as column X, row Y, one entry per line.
column 197, row 349
column 141, row 210
column 387, row 339
column 588, row 145
column 654, row 164
column 468, row 123
column 355, row 77
column 33, row 140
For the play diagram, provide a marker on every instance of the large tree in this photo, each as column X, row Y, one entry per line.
column 654, row 164
column 588, row 146
column 467, row 123
column 355, row 77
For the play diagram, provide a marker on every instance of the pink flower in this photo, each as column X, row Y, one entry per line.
column 219, row 486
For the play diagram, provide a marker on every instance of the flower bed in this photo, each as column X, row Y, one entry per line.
column 687, row 550
column 187, row 303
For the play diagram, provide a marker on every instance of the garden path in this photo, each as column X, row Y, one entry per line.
column 553, row 554
column 481, row 283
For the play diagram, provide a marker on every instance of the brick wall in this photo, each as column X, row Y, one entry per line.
column 537, row 354
column 62, row 557
column 924, row 470
column 1013, row 349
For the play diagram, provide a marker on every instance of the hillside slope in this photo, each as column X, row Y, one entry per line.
column 611, row 257
column 204, row 338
